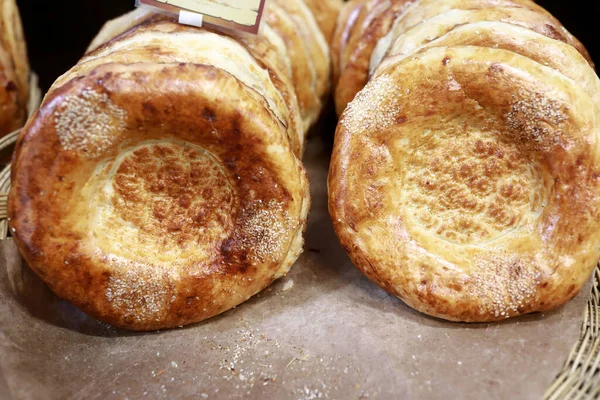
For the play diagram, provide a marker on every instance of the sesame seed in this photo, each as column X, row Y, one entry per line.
column 375, row 107
column 88, row 123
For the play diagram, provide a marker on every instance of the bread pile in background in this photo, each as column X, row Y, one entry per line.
column 14, row 69
column 465, row 173
column 160, row 183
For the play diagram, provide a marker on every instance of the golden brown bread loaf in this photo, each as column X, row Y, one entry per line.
column 14, row 69
column 465, row 176
column 160, row 182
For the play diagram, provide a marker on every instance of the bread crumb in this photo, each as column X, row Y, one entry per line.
column 288, row 285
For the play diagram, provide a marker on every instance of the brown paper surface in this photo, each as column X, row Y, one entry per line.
column 333, row 334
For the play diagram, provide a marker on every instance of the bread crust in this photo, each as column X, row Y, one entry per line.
column 254, row 55
column 117, row 26
column 12, row 114
column 326, row 13
column 305, row 55
column 312, row 38
column 377, row 20
column 422, row 10
column 346, row 22
column 304, row 74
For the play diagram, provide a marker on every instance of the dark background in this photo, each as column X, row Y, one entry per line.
column 59, row 31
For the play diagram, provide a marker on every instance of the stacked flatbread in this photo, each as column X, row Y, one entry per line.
column 465, row 174
column 161, row 183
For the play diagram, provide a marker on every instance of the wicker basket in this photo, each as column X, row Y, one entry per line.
column 579, row 378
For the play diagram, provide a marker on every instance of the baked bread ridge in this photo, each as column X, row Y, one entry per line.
column 365, row 26
column 366, row 8
column 307, row 54
column 187, row 44
column 311, row 37
column 304, row 74
column 345, row 23
column 529, row 43
column 422, row 10
column 119, row 25
column 14, row 69
column 375, row 24
column 318, row 44
column 267, row 49
column 495, row 210
column 368, row 28
column 160, row 182
column 187, row 214
column 325, row 12
column 431, row 28
column 12, row 115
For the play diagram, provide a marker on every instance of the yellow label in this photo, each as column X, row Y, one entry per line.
column 243, row 12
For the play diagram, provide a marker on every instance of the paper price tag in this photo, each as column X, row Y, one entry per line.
column 190, row 18
column 240, row 15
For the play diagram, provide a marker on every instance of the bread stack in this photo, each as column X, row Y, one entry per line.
column 465, row 176
column 14, row 69
column 160, row 182
column 361, row 24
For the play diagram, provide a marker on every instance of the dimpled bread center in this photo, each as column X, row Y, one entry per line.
column 171, row 199
column 468, row 188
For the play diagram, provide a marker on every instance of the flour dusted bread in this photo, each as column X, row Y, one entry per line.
column 160, row 182
column 465, row 174
column 14, row 69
